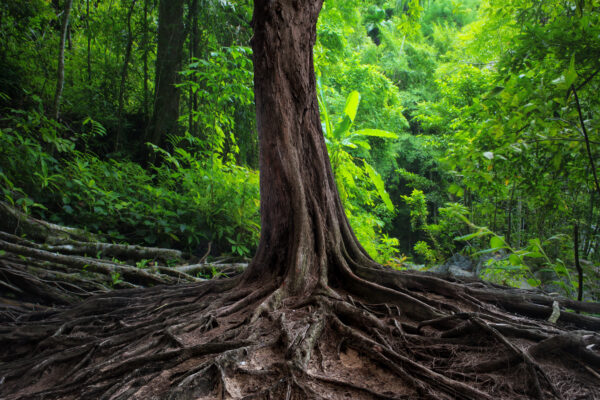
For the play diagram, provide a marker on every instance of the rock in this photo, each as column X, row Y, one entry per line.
column 461, row 262
column 458, row 265
column 457, row 271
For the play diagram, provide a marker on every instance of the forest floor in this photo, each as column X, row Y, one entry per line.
column 84, row 319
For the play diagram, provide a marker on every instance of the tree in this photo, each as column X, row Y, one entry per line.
column 305, row 235
column 60, row 74
column 124, row 75
column 313, row 314
column 171, row 35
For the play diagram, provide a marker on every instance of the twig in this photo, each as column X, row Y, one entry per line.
column 587, row 140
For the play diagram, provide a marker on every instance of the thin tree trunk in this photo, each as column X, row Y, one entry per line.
column 171, row 35
column 519, row 221
column 590, row 230
column 577, row 263
column 509, row 211
column 587, row 140
column 124, row 76
column 89, row 43
column 145, row 61
column 495, row 213
column 194, row 51
column 60, row 79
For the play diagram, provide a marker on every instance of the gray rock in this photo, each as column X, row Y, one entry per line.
column 461, row 262
column 457, row 271
column 457, row 265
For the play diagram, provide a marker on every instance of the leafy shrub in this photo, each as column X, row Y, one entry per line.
column 183, row 203
column 361, row 188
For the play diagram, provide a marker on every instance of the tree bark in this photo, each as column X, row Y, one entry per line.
column 145, row 62
column 124, row 76
column 60, row 78
column 577, row 263
column 304, row 230
column 171, row 36
column 194, row 51
column 89, row 42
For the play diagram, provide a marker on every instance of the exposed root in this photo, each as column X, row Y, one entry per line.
column 217, row 340
column 42, row 275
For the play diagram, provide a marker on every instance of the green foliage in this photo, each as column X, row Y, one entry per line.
column 493, row 106
column 182, row 203
column 418, row 208
column 441, row 233
column 516, row 115
column 115, row 279
column 422, row 249
column 214, row 274
column 144, row 263
column 222, row 84
column 527, row 267
column 358, row 183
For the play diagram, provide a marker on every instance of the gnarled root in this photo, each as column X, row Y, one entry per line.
column 215, row 340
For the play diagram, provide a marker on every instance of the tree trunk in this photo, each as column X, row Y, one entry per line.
column 577, row 263
column 89, row 42
column 124, row 76
column 60, row 78
column 509, row 212
column 145, row 62
column 304, row 230
column 194, row 51
column 168, row 64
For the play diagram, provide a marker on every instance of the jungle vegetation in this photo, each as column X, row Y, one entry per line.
column 350, row 147
column 453, row 127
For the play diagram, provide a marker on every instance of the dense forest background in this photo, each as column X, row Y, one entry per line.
column 453, row 127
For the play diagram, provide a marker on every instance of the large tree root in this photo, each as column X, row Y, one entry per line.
column 35, row 276
column 200, row 341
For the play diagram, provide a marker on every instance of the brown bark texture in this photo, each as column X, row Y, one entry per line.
column 171, row 35
column 312, row 317
column 124, row 72
column 304, row 230
column 60, row 71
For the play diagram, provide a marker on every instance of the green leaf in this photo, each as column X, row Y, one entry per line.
column 497, row 242
column 473, row 235
column 352, row 105
column 494, row 92
column 456, row 190
column 342, row 127
column 515, row 260
column 570, row 74
column 379, row 185
column 533, row 282
column 376, row 133
column 365, row 145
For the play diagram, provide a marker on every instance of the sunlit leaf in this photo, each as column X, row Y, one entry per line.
column 379, row 185
column 497, row 242
column 376, row 133
column 352, row 105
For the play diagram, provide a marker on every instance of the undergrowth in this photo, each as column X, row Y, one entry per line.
column 192, row 200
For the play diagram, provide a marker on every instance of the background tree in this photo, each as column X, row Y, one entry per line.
column 124, row 71
column 60, row 75
column 171, row 36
